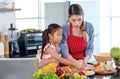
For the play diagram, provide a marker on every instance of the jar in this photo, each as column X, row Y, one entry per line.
column 1, row 46
column 6, row 46
column 13, row 5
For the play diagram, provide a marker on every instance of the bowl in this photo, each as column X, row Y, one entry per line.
column 102, row 57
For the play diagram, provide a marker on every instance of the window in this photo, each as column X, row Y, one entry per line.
column 28, row 16
column 32, row 14
column 109, row 24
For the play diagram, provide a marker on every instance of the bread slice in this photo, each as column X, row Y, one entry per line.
column 99, row 69
column 108, row 67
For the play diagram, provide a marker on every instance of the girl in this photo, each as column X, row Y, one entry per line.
column 51, row 37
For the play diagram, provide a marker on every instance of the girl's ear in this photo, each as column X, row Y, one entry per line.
column 50, row 36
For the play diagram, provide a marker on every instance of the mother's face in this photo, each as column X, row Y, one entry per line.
column 76, row 20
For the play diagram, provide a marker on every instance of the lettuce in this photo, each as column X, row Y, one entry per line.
column 115, row 54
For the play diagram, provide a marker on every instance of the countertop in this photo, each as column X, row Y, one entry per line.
column 26, row 62
column 17, row 68
column 110, row 76
column 32, row 58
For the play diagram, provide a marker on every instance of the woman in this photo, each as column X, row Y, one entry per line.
column 78, row 36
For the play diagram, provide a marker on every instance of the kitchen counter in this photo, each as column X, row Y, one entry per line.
column 30, row 58
column 111, row 76
column 9, row 67
column 107, row 76
column 101, row 76
column 17, row 68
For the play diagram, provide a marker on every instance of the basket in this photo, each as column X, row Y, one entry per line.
column 102, row 57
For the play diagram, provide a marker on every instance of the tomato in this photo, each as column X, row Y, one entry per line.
column 67, row 69
column 97, row 64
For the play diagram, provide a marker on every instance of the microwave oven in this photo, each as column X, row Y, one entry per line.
column 29, row 43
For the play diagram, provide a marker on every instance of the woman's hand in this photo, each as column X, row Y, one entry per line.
column 86, row 60
column 82, row 65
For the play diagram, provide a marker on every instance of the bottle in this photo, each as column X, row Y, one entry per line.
column 1, row 46
column 6, row 47
column 13, row 6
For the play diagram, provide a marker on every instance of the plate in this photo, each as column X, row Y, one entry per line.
column 89, row 72
column 89, row 67
column 107, row 72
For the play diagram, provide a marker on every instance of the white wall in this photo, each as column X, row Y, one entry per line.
column 6, row 18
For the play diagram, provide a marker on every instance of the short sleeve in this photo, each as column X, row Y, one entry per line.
column 49, row 45
column 46, row 47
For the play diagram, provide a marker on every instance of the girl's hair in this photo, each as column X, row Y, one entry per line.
column 76, row 9
column 45, row 38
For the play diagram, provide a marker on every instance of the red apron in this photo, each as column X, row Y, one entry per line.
column 76, row 45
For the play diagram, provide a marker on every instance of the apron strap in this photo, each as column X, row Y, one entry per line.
column 70, row 28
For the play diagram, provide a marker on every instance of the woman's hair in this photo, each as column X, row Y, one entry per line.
column 75, row 9
column 45, row 38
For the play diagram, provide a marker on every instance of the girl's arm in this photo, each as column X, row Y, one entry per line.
column 56, row 56
column 43, row 62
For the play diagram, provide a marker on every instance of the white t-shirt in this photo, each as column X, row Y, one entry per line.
column 46, row 58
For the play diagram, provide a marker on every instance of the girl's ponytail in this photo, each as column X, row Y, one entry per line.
column 45, row 40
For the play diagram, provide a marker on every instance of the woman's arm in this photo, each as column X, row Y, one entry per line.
column 82, row 64
column 63, row 45
column 56, row 56
column 90, row 44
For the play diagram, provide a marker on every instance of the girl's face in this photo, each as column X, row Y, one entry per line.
column 56, row 37
column 76, row 20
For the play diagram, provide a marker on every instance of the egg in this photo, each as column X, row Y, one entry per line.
column 87, row 72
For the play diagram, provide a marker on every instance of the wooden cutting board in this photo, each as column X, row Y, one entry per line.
column 88, row 67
